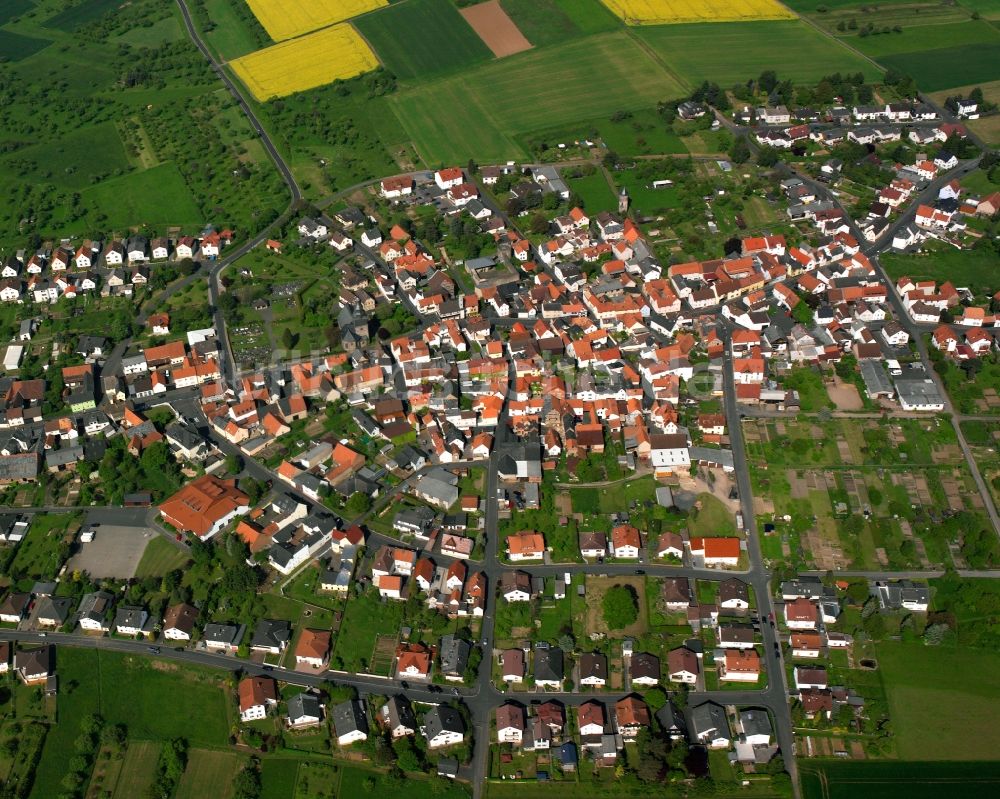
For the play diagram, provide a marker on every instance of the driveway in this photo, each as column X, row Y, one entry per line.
column 115, row 551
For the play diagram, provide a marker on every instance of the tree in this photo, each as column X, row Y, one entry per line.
column 234, row 463
column 539, row 223
column 768, row 80
column 621, row 607
column 739, row 152
column 357, row 504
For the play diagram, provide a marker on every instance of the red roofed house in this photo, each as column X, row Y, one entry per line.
column 626, row 541
column 717, row 551
column 740, row 665
column 257, row 694
column 204, row 506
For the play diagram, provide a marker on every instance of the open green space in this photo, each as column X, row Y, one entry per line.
column 594, row 192
column 898, row 779
column 478, row 113
column 734, row 52
column 942, row 700
column 157, row 197
column 75, row 161
column 167, row 29
column 545, row 22
column 947, row 67
column 277, row 778
column 421, row 38
column 712, row 518
column 45, row 547
column 233, row 30
column 807, row 6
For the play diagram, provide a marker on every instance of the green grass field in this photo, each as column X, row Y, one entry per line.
column 15, row 47
column 839, row 779
column 729, row 53
column 478, row 113
column 208, row 774
column 595, row 192
column 74, row 161
column 138, row 769
column 918, row 38
column 808, row 6
column 934, row 70
column 166, row 30
column 40, row 555
column 942, row 700
column 155, row 197
column 421, row 38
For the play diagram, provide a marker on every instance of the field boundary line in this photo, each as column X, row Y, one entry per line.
column 833, row 38
column 645, row 47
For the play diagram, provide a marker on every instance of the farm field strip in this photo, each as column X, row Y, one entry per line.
column 305, row 63
column 735, row 52
column 667, row 12
column 494, row 27
column 934, row 70
column 445, row 45
column 478, row 113
column 285, row 19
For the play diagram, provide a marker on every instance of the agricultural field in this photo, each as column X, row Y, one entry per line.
column 445, row 44
column 138, row 769
column 16, row 47
column 492, row 24
column 546, row 22
column 336, row 53
column 208, row 773
column 285, row 19
column 667, row 12
column 735, row 52
column 947, row 67
column 975, row 269
column 479, row 113
column 897, row 779
column 938, row 717
column 923, row 37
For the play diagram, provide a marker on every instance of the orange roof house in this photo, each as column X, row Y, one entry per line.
column 312, row 648
column 204, row 506
column 526, row 546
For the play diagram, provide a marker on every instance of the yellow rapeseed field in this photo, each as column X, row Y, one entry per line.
column 304, row 63
column 283, row 19
column 665, row 12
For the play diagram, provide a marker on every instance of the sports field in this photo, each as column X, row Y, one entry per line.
column 668, row 12
column 283, row 19
column 445, row 44
column 734, row 52
column 331, row 54
column 479, row 113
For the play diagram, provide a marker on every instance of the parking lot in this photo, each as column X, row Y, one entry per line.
column 115, row 551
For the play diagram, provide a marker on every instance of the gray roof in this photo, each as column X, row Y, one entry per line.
column 443, row 718
column 349, row 717
column 709, row 719
column 454, row 654
column 303, row 705
column 271, row 633
column 755, row 722
column 222, row 634
column 548, row 663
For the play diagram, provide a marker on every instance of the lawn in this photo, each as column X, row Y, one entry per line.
column 942, row 701
column 75, row 161
column 365, row 619
column 157, row 197
column 947, row 67
column 978, row 269
column 478, row 113
column 14, row 8
column 208, row 774
column 161, row 556
column 644, row 198
column 421, row 38
column 713, row 519
column 729, row 53
column 352, row 784
column 138, row 770
column 828, row 779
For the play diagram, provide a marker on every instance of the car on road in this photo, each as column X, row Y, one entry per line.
column 268, row 668
column 153, row 650
column 42, row 635
column 454, row 691
column 640, row 571
column 405, row 684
